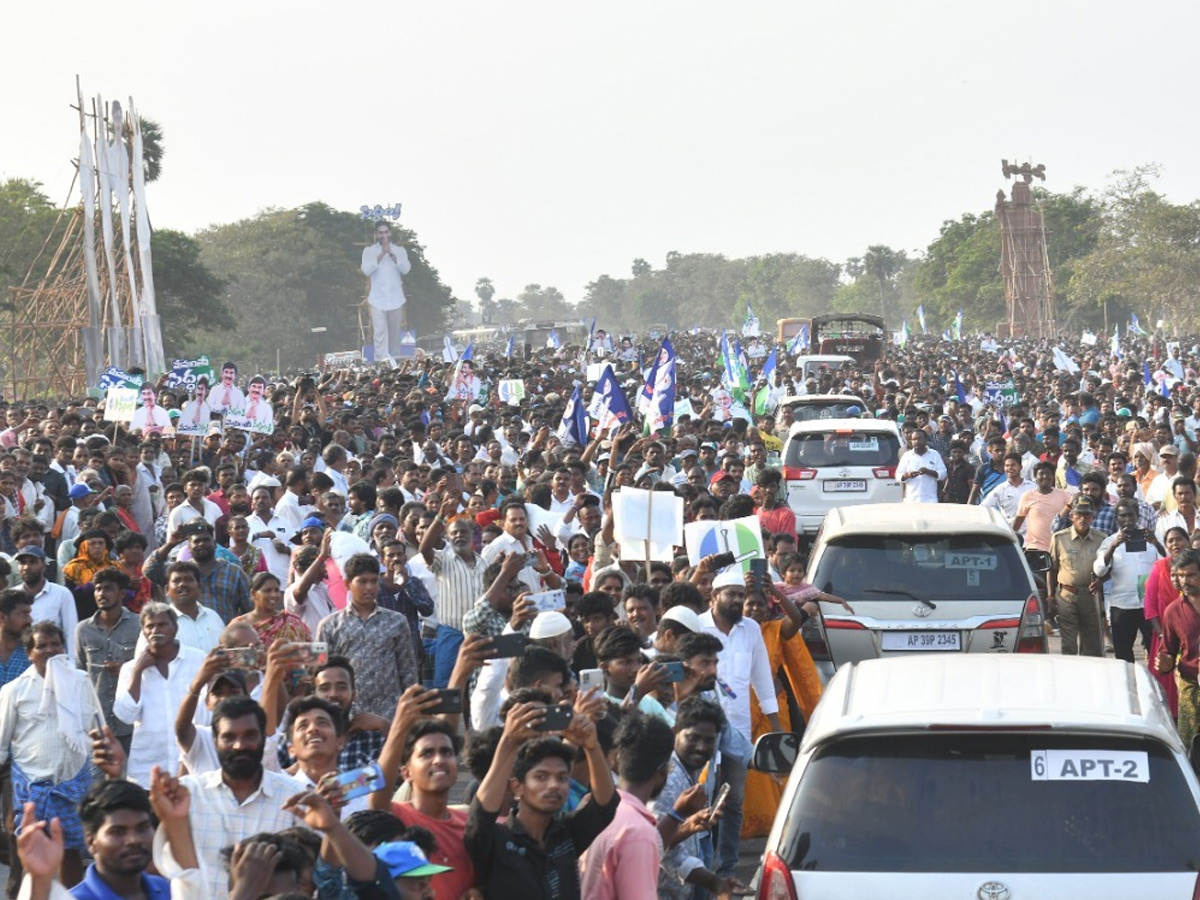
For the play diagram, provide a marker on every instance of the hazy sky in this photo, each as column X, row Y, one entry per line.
column 555, row 142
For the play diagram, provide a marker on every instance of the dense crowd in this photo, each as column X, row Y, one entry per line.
column 392, row 649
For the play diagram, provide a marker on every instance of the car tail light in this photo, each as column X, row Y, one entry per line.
column 884, row 472
column 776, row 882
column 845, row 625
column 1032, row 636
column 797, row 473
column 818, row 647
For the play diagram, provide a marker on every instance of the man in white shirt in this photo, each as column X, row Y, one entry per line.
column 226, row 395
column 920, row 469
column 1008, row 495
column 742, row 666
column 51, row 602
column 196, row 505
column 291, row 508
column 45, row 713
column 1160, row 487
column 270, row 533
column 150, row 689
column 1124, row 561
column 386, row 264
column 198, row 626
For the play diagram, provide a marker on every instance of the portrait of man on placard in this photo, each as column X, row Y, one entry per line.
column 149, row 416
column 197, row 412
column 466, row 384
column 227, row 396
column 256, row 414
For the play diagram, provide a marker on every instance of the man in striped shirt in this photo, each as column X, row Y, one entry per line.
column 459, row 571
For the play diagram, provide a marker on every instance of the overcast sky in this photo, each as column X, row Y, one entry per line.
column 552, row 143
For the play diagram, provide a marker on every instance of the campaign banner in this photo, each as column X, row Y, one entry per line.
column 186, row 372
column 1000, row 393
column 114, row 377
column 343, row 358
column 120, row 404
column 741, row 537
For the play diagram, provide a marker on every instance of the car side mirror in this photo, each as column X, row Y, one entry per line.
column 776, row 753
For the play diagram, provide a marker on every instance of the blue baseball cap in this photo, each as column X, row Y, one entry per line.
column 405, row 859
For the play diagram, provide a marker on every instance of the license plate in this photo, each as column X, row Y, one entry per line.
column 922, row 640
column 857, row 484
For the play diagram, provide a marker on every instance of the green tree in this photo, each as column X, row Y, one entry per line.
column 30, row 231
column 1146, row 257
column 537, row 302
column 189, row 296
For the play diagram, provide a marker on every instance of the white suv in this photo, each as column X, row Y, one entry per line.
column 829, row 463
column 1000, row 778
column 924, row 578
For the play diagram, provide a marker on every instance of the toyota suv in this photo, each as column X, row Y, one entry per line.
column 830, row 463
column 978, row 776
column 924, row 578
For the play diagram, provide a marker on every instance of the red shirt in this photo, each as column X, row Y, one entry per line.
column 1181, row 636
column 451, row 851
column 780, row 520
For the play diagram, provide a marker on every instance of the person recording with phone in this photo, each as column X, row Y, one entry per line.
column 534, row 855
column 630, row 681
column 1124, row 561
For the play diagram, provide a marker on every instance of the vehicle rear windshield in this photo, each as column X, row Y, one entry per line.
column 935, row 567
column 951, row 802
column 842, row 448
column 807, row 412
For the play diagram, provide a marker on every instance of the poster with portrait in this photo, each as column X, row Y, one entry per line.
column 197, row 412
column 465, row 384
column 226, row 396
column 149, row 417
column 256, row 414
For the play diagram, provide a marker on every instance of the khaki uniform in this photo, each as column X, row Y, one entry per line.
column 1078, row 610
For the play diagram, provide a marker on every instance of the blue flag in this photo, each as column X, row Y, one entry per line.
column 1134, row 325
column 921, row 317
column 591, row 337
column 573, row 430
column 1147, row 378
column 768, row 369
column 958, row 389
column 1164, row 389
column 508, row 348
column 608, row 408
column 469, row 353
column 554, row 340
column 657, row 400
column 800, row 341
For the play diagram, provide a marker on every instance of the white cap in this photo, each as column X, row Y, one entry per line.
column 549, row 624
column 729, row 576
column 685, row 616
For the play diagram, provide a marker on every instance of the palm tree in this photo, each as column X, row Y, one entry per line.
column 484, row 290
column 882, row 263
column 152, row 148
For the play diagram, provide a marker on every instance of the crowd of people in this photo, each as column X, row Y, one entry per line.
column 392, row 649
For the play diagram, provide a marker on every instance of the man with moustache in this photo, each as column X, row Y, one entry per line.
column 240, row 798
column 150, row 689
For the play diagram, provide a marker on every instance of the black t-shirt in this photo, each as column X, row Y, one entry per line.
column 509, row 863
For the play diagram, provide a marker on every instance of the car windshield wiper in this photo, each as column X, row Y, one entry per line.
column 928, row 603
